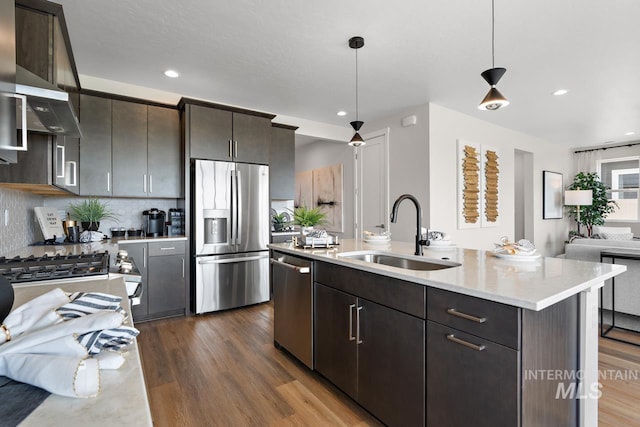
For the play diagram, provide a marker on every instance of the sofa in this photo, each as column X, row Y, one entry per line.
column 628, row 283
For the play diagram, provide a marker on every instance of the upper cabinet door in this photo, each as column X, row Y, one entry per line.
column 211, row 131
column 95, row 146
column 129, row 148
column 282, row 164
column 163, row 153
column 252, row 137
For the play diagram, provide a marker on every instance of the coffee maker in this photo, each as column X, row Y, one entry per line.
column 153, row 220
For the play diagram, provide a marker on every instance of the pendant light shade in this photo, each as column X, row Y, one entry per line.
column 356, row 141
column 494, row 100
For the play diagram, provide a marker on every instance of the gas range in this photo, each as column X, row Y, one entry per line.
column 32, row 269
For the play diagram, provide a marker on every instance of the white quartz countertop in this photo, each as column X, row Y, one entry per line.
column 533, row 285
column 123, row 396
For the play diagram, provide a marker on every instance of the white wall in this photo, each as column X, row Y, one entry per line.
column 445, row 128
column 323, row 153
column 408, row 166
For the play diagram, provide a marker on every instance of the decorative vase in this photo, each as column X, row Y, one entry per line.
column 90, row 226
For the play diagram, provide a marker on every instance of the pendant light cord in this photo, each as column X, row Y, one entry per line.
column 357, row 83
column 493, row 36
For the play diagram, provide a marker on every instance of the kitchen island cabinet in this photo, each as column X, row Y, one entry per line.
column 490, row 329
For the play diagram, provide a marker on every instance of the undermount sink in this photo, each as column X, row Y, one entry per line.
column 399, row 261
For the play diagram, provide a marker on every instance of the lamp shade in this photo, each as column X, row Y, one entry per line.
column 578, row 197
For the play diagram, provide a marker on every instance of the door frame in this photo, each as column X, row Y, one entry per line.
column 357, row 172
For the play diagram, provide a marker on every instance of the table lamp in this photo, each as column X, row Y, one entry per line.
column 578, row 198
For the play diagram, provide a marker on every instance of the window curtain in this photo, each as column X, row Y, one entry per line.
column 586, row 161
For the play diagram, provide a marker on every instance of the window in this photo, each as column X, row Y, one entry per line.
column 622, row 176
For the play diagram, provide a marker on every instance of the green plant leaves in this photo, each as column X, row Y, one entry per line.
column 601, row 206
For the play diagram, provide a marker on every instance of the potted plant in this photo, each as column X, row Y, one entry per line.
column 280, row 221
column 600, row 207
column 90, row 212
column 307, row 218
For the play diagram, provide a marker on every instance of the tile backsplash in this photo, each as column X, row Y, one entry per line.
column 128, row 211
column 22, row 228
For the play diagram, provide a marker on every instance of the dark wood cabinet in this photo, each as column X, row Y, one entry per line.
column 34, row 42
column 162, row 266
column 470, row 380
column 251, row 138
column 373, row 353
column 282, row 162
column 217, row 132
column 95, row 146
column 138, row 252
column 164, row 153
column 211, row 133
column 336, row 356
column 129, row 149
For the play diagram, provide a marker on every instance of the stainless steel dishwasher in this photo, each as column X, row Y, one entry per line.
column 292, row 282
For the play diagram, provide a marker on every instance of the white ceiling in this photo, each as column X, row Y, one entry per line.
column 291, row 57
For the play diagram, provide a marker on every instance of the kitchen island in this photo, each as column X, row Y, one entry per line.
column 123, row 397
column 485, row 334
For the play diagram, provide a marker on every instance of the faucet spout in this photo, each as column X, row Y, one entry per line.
column 394, row 216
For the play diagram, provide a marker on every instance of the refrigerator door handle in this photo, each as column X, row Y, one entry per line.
column 232, row 216
column 239, row 225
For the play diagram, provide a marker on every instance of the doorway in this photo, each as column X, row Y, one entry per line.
column 372, row 184
column 523, row 195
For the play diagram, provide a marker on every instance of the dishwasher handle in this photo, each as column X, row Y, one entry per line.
column 301, row 270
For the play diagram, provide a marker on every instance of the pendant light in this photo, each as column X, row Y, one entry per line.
column 494, row 99
column 356, row 141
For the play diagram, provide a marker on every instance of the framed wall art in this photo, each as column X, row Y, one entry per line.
column 552, row 187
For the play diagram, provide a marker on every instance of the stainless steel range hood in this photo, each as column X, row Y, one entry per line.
column 49, row 108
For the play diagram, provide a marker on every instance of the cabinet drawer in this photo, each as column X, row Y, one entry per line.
column 394, row 293
column 496, row 322
column 471, row 381
column 175, row 247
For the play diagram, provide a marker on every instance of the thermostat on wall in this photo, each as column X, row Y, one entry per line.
column 409, row 121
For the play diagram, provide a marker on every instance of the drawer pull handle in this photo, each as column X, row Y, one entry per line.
column 172, row 248
column 453, row 338
column 454, row 312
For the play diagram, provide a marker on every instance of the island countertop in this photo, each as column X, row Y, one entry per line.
column 123, row 396
column 533, row 284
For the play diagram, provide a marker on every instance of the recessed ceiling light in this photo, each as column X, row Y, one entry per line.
column 629, row 133
column 172, row 73
column 342, row 113
column 560, row 92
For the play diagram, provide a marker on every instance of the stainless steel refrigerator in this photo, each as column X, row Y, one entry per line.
column 230, row 208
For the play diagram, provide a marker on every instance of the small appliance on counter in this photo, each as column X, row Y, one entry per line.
column 175, row 222
column 153, row 220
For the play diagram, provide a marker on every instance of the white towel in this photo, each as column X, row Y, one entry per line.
column 54, row 345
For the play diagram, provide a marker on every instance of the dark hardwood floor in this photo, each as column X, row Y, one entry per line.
column 221, row 369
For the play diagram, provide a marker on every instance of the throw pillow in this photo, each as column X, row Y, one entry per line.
column 616, row 236
column 614, row 230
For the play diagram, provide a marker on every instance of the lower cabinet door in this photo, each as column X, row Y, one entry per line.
column 138, row 252
column 391, row 364
column 166, row 284
column 470, row 381
column 335, row 343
